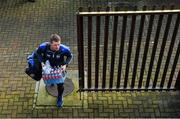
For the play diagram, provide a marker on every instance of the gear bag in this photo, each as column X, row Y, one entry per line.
column 34, row 69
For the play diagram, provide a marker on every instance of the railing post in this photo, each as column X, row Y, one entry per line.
column 98, row 21
column 80, row 50
column 89, row 47
column 106, row 35
column 113, row 50
column 121, row 51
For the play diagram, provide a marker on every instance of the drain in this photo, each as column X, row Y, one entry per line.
column 68, row 88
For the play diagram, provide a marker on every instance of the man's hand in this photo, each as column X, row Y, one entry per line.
column 42, row 64
column 63, row 67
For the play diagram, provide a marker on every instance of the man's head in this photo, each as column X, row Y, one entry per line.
column 55, row 41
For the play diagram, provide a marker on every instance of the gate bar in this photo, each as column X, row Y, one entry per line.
column 121, row 51
column 98, row 21
column 80, row 50
column 113, row 50
column 89, row 48
column 106, row 35
column 129, row 12
column 128, row 89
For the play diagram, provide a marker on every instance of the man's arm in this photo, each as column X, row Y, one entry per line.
column 69, row 57
column 40, row 52
column 67, row 53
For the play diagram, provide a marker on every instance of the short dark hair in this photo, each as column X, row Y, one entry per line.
column 55, row 38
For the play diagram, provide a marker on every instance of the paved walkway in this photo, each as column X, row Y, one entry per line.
column 23, row 26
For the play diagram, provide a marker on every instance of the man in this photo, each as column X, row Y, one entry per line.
column 57, row 54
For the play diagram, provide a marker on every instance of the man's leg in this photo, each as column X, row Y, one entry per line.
column 60, row 88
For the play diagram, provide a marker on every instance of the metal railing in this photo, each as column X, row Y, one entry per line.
column 128, row 50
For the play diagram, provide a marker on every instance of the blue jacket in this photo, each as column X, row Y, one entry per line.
column 56, row 58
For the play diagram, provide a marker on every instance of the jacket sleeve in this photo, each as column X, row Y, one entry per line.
column 40, row 52
column 69, row 56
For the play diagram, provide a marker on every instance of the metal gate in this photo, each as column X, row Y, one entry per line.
column 128, row 50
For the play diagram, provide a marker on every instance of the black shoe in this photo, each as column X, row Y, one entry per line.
column 60, row 101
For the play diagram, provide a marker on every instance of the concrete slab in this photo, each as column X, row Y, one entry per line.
column 43, row 99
